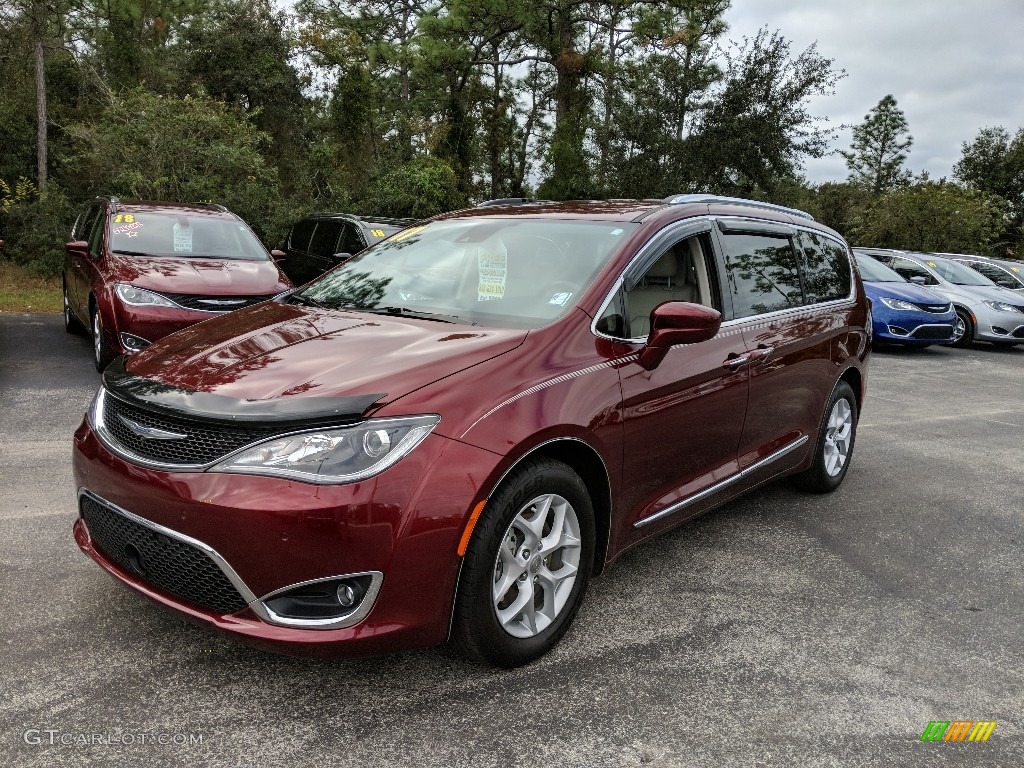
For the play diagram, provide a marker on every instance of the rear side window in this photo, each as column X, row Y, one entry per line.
column 826, row 268
column 761, row 273
column 302, row 233
column 350, row 240
column 325, row 238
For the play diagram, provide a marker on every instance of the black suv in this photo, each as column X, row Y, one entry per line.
column 324, row 240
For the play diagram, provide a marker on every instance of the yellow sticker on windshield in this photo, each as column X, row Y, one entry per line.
column 931, row 264
column 377, row 232
column 405, row 234
column 493, row 269
column 124, row 218
column 1015, row 269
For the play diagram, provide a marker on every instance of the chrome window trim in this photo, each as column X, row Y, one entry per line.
column 850, row 298
column 722, row 484
column 253, row 602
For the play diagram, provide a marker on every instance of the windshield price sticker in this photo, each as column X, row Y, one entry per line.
column 493, row 268
column 182, row 238
column 128, row 229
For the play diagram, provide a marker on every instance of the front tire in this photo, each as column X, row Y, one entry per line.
column 834, row 447
column 527, row 566
column 963, row 332
column 100, row 348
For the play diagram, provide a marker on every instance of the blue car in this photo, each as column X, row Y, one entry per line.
column 904, row 313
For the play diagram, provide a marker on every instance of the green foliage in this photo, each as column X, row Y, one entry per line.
column 195, row 148
column 35, row 227
column 994, row 163
column 879, row 149
column 933, row 216
column 422, row 187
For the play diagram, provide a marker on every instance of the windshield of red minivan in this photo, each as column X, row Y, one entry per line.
column 182, row 235
column 514, row 272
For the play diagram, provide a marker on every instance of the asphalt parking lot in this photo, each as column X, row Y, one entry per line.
column 780, row 630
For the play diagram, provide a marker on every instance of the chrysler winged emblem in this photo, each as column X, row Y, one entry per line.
column 150, row 433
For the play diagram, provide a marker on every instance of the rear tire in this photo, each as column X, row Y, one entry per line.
column 833, row 450
column 526, row 567
column 71, row 324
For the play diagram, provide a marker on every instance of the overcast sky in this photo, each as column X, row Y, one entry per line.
column 954, row 66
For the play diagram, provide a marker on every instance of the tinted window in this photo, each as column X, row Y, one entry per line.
column 351, row 242
column 94, row 233
column 325, row 238
column 302, row 233
column 994, row 273
column 826, row 268
column 761, row 274
column 908, row 269
column 84, row 225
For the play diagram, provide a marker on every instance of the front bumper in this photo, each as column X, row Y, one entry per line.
column 912, row 328
column 993, row 325
column 152, row 323
column 272, row 533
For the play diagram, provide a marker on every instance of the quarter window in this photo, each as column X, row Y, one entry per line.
column 325, row 239
column 761, row 273
column 826, row 268
column 350, row 242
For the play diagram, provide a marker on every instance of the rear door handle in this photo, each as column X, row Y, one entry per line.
column 736, row 362
column 761, row 354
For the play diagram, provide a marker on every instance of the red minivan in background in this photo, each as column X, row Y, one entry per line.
column 446, row 436
column 137, row 271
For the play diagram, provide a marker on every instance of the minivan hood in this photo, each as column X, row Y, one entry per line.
column 277, row 350
column 211, row 277
column 904, row 291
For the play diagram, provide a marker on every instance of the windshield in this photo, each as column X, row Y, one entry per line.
column 875, row 271
column 182, row 235
column 956, row 273
column 516, row 272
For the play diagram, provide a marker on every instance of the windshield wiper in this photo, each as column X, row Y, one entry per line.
column 406, row 312
column 130, row 253
column 309, row 301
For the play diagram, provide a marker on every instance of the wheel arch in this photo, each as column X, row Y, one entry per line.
column 855, row 379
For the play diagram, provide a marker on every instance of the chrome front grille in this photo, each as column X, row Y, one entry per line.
column 214, row 303
column 202, row 443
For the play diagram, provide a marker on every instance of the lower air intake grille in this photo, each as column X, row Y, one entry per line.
column 938, row 332
column 172, row 566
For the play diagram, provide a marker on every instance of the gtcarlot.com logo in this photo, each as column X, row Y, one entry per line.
column 57, row 737
column 958, row 730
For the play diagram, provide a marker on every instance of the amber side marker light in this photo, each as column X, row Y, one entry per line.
column 470, row 525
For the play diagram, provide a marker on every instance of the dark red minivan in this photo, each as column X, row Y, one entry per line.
column 136, row 271
column 446, row 436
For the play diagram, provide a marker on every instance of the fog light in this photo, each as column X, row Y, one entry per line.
column 346, row 595
column 133, row 343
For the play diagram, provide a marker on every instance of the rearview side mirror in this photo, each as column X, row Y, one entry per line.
column 278, row 256
column 677, row 322
column 341, row 258
column 918, row 280
column 77, row 248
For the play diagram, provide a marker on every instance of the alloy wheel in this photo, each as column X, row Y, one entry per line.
column 959, row 329
column 837, row 437
column 537, row 565
column 97, row 337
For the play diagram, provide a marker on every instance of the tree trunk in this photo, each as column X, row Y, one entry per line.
column 40, row 115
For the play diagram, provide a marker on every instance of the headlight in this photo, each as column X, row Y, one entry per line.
column 334, row 456
column 94, row 412
column 1002, row 306
column 898, row 304
column 140, row 297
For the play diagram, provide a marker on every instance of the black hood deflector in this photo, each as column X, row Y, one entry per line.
column 206, row 406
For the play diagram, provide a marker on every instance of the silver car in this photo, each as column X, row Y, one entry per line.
column 985, row 311
column 1007, row 274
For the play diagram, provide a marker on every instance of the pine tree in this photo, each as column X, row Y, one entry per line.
column 879, row 149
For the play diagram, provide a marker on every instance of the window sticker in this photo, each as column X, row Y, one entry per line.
column 182, row 238
column 124, row 218
column 128, row 229
column 493, row 268
column 1015, row 269
column 559, row 299
column 616, row 232
column 931, row 264
column 377, row 232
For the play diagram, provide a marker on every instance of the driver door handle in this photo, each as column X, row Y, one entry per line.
column 761, row 354
column 736, row 361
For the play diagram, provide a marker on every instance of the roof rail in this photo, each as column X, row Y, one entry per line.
column 722, row 200
column 215, row 206
column 510, row 201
